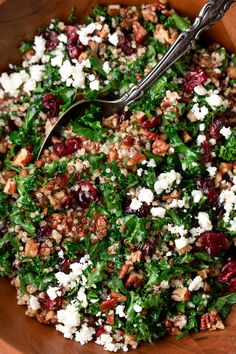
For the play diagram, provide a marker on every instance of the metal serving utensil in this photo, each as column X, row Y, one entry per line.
column 210, row 13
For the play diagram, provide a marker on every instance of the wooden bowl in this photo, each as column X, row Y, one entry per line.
column 19, row 20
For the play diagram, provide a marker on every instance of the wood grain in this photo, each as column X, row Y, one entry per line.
column 19, row 334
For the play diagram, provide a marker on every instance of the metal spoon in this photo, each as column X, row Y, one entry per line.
column 211, row 12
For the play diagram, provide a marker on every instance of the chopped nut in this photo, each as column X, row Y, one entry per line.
column 139, row 32
column 211, row 321
column 186, row 137
column 181, row 294
column 160, row 147
column 231, row 70
column 10, row 187
column 31, row 248
column 136, row 256
column 119, row 297
column 22, row 158
column 113, row 10
column 112, row 121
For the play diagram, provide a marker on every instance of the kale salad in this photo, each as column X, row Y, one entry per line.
column 124, row 230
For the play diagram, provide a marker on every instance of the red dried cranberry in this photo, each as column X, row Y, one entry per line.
column 213, row 242
column 146, row 247
column 61, row 180
column 125, row 115
column 86, row 194
column 143, row 211
column 232, row 286
column 65, row 266
column 228, row 272
column 10, row 126
column 51, row 39
column 71, row 32
column 206, row 155
column 151, row 123
column 125, row 45
column 75, row 51
column 43, row 233
column 193, row 79
column 212, row 196
column 204, row 184
column 50, row 305
column 51, row 105
column 68, row 147
column 100, row 330
column 3, row 230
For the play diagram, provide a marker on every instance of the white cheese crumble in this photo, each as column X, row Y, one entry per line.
column 175, row 229
column 33, row 302
column 120, row 310
column 200, row 139
column 181, row 243
column 94, row 85
column 53, row 292
column 214, row 100
column 113, row 38
column 226, row 132
column 197, row 113
column 68, row 319
column 200, row 90
column 137, row 308
column 212, row 170
column 196, row 284
column 228, row 199
column 135, row 204
column 151, row 163
column 204, row 221
column 85, row 334
column 197, row 195
column 145, row 195
column 106, row 67
column 166, row 180
column 158, row 212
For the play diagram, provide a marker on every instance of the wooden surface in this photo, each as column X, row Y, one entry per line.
column 19, row 19
column 22, row 335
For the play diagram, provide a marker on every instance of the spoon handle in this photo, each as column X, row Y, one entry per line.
column 211, row 12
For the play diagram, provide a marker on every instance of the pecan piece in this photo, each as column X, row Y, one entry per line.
column 211, row 321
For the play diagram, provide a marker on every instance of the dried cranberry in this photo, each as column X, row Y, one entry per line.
column 213, row 197
column 71, row 32
column 143, row 211
column 51, row 39
column 228, row 272
column 50, row 305
column 146, row 247
column 232, row 285
column 206, row 155
column 213, row 242
column 43, row 233
column 3, row 230
column 61, row 180
column 125, row 45
column 75, row 51
column 151, row 123
column 206, row 185
column 65, row 266
column 10, row 126
column 51, row 105
column 100, row 330
column 193, row 79
column 86, row 194
column 68, row 147
column 125, row 115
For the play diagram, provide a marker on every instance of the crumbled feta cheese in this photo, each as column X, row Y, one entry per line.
column 200, row 90
column 85, row 33
column 81, row 296
column 202, row 127
column 146, row 195
column 212, row 170
column 85, row 334
column 68, row 319
column 137, row 308
column 228, row 199
column 36, row 72
column 33, row 302
column 196, row 284
column 62, row 38
column 53, row 292
column 135, row 204
column 164, row 284
column 204, row 221
column 197, row 113
column 158, row 212
column 200, row 139
column 151, row 163
column 139, row 172
column 106, row 67
column 214, row 100
column 61, row 254
column 226, row 132
column 197, row 195
column 166, row 180
column 120, row 310
column 181, row 243
column 113, row 38
column 174, row 229
column 94, row 85
column 181, row 321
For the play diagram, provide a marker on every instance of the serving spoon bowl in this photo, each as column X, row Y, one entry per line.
column 210, row 13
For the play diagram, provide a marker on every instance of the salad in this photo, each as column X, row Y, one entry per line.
column 124, row 229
